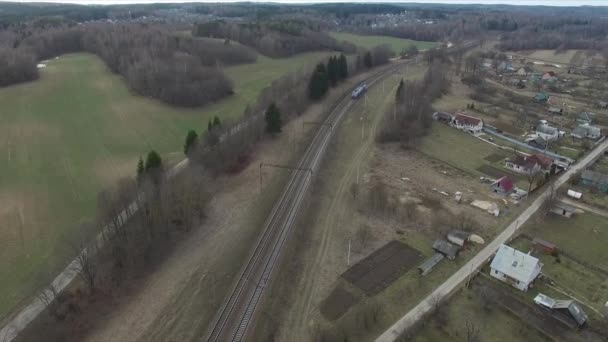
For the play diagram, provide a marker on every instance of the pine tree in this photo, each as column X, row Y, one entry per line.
column 153, row 161
column 191, row 139
column 367, row 60
column 273, row 119
column 140, row 168
column 332, row 71
column 216, row 122
column 343, row 67
column 319, row 82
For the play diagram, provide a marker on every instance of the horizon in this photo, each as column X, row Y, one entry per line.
column 551, row 3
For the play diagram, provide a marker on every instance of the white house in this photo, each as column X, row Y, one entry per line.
column 514, row 267
column 547, row 132
column 468, row 123
column 529, row 164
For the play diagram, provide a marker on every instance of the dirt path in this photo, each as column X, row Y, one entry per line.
column 585, row 207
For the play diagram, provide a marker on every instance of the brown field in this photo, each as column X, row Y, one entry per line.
column 374, row 273
column 337, row 303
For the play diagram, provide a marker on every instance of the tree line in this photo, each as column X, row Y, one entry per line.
column 409, row 119
column 153, row 60
column 277, row 38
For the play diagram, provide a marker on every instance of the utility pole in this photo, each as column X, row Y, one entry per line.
column 348, row 255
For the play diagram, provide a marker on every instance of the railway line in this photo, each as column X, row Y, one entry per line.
column 237, row 312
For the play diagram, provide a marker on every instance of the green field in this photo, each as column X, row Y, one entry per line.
column 368, row 42
column 75, row 131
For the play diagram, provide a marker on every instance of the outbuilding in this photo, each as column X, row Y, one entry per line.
column 427, row 266
column 563, row 209
column 458, row 237
column 544, row 246
column 447, row 249
column 502, row 186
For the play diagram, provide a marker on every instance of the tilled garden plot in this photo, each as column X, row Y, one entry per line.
column 376, row 272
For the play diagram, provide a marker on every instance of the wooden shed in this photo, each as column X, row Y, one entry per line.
column 544, row 246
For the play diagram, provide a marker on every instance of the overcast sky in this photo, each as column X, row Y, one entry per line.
column 510, row 2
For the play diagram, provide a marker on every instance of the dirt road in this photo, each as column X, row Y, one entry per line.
column 452, row 283
column 585, row 207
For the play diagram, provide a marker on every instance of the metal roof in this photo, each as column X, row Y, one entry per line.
column 515, row 264
column 429, row 263
column 446, row 248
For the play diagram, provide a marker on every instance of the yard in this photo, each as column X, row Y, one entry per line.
column 76, row 131
column 397, row 44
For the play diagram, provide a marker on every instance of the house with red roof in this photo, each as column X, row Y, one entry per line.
column 468, row 123
column 502, row 186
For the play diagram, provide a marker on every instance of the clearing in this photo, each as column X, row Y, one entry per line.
column 368, row 42
column 78, row 129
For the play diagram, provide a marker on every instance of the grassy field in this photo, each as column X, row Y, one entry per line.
column 492, row 323
column 75, row 131
column 368, row 42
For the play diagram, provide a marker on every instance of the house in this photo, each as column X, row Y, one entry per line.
column 468, row 123
column 458, row 237
column 427, row 266
column 549, row 76
column 567, row 307
column 447, row 249
column 529, row 164
column 514, row 267
column 443, row 117
column 555, row 110
column 544, row 246
column 595, row 179
column 563, row 209
column 515, row 82
column 585, row 118
column 541, row 98
column 505, row 66
column 537, row 141
column 602, row 104
column 548, row 133
column 586, row 131
column 502, row 186
column 523, row 71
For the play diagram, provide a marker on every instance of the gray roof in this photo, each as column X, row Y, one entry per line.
column 555, row 109
column 579, row 131
column 515, row 264
column 546, row 129
column 595, row 177
column 564, row 206
column 573, row 308
column 446, row 248
column 577, row 313
column 429, row 263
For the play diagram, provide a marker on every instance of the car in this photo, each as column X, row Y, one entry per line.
column 360, row 90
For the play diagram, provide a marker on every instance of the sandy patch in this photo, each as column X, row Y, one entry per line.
column 109, row 171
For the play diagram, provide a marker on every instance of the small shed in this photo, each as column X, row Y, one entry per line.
column 502, row 186
column 447, row 249
column 563, row 209
column 427, row 266
column 544, row 246
column 575, row 194
column 541, row 98
column 565, row 306
column 443, row 117
column 585, row 118
column 458, row 237
column 555, row 110
column 602, row 104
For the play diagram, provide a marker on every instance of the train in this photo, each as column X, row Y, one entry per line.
column 360, row 90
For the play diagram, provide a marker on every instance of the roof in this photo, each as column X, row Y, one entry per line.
column 524, row 161
column 577, row 313
column 467, row 120
column 555, row 110
column 564, row 206
column 550, row 73
column 541, row 96
column 586, row 116
column 580, row 131
column 544, row 161
column 505, row 183
column 446, row 248
column 543, row 128
column 515, row 264
column 595, row 177
column 457, row 237
column 568, row 304
column 443, row 115
column 429, row 263
column 538, row 241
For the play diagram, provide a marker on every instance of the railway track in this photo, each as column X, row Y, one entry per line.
column 236, row 315
column 237, row 312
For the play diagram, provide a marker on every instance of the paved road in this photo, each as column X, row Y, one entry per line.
column 458, row 278
column 585, row 207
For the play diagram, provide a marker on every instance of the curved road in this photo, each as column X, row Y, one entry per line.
column 458, row 278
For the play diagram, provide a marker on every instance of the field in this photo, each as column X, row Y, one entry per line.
column 368, row 42
column 72, row 133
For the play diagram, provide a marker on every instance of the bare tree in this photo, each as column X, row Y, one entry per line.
column 549, row 201
column 531, row 176
column 471, row 332
column 85, row 264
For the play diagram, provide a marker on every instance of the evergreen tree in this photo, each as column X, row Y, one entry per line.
column 367, row 60
column 319, row 82
column 273, row 119
column 343, row 67
column 332, row 71
column 216, row 122
column 191, row 139
column 153, row 161
column 140, row 168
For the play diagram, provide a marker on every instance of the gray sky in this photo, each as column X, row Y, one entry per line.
column 510, row 2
